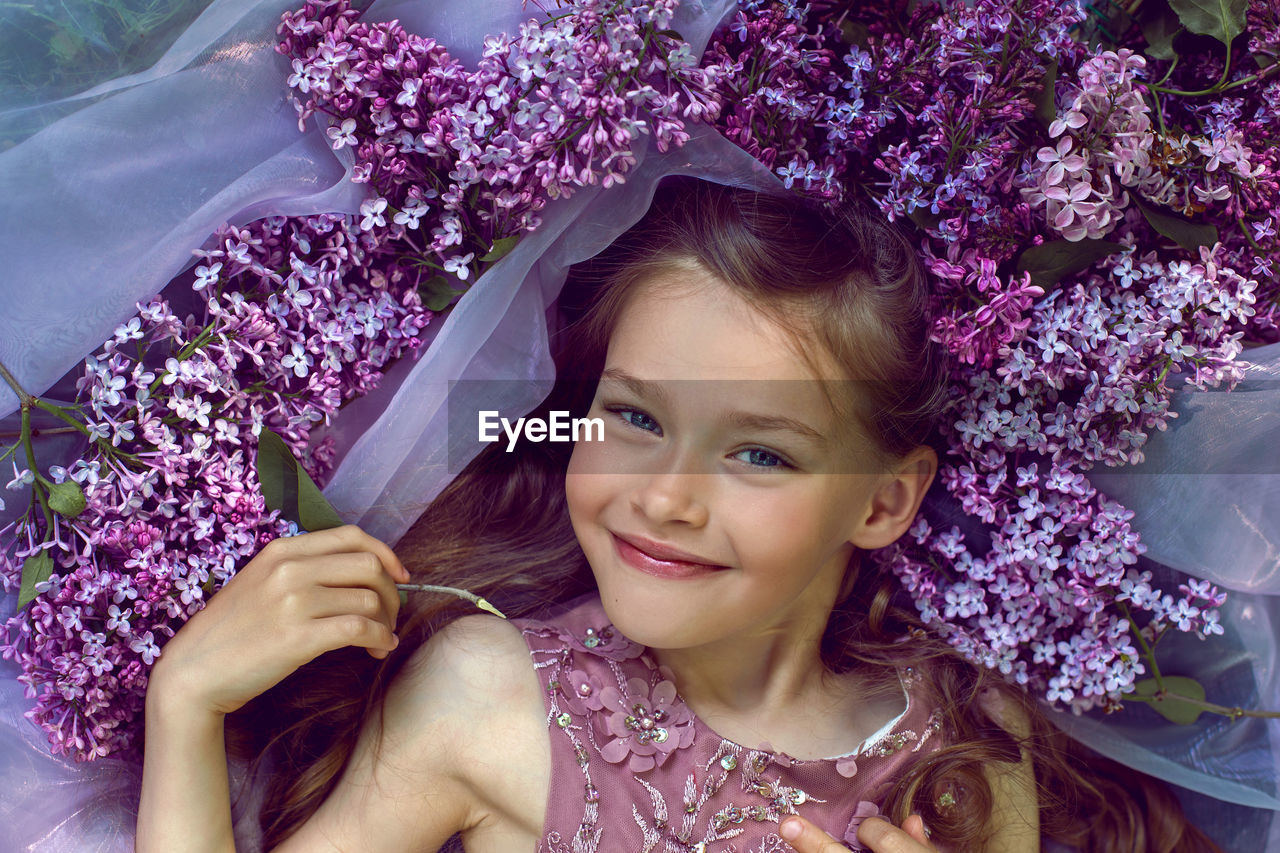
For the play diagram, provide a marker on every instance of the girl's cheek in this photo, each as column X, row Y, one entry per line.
column 779, row 509
column 587, row 479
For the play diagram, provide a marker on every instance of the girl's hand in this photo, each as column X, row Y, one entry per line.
column 297, row 598
column 876, row 833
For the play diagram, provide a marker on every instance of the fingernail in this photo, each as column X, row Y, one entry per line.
column 790, row 829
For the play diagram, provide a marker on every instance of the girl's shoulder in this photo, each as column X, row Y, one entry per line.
column 476, row 672
column 476, row 700
column 460, row 723
column 471, row 649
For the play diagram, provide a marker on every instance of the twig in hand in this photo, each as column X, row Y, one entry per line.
column 451, row 590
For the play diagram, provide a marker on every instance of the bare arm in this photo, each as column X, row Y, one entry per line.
column 439, row 769
column 186, row 799
column 295, row 600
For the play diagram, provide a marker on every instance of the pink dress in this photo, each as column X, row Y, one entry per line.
column 633, row 770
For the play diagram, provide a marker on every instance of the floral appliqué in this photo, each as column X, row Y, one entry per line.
column 647, row 724
column 865, row 809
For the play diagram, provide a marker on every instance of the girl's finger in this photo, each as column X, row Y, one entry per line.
column 349, row 629
column 345, row 539
column 324, row 602
column 353, row 571
column 914, row 826
column 883, row 837
column 804, row 837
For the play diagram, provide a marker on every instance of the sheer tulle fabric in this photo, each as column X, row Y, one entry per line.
column 120, row 183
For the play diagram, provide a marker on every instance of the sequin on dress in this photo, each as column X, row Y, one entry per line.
column 633, row 769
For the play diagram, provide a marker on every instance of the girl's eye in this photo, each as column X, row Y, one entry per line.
column 757, row 457
column 640, row 420
column 764, row 459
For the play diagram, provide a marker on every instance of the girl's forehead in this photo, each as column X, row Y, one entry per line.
column 685, row 323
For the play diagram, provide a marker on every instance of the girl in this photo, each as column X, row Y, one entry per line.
column 703, row 661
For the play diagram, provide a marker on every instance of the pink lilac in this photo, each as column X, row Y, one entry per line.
column 1022, row 352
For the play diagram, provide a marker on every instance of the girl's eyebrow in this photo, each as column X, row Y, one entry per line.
column 739, row 418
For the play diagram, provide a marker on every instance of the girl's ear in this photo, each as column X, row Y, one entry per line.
column 896, row 499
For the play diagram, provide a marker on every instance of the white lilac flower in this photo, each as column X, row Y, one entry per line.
column 206, row 276
column 371, row 210
column 343, row 135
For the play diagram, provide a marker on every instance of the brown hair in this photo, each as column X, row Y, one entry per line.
column 850, row 284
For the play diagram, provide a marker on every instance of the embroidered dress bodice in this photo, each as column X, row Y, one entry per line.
column 634, row 770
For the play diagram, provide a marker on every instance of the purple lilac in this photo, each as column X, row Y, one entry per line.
column 300, row 315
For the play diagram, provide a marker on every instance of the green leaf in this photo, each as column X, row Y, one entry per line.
column 66, row 498
column 1222, row 19
column 272, row 473
column 501, row 248
column 207, row 586
column 1049, row 263
column 1171, row 707
column 36, row 568
column 66, row 45
column 1159, row 31
column 1046, row 109
column 287, row 487
column 1187, row 234
column 314, row 511
column 436, row 293
column 855, row 33
column 925, row 218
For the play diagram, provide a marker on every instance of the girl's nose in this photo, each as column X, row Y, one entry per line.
column 678, row 494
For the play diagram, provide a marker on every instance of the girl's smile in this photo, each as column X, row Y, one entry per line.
column 661, row 561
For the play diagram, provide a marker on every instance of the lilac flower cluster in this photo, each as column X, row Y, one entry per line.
column 1104, row 132
column 462, row 159
column 1010, row 144
column 299, row 316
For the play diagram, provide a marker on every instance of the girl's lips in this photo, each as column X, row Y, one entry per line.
column 669, row 569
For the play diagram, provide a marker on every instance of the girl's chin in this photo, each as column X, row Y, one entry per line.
column 660, row 618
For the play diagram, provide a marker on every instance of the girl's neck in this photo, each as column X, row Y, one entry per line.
column 771, row 688
column 757, row 673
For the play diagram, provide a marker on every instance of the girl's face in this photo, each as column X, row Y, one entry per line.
column 696, row 459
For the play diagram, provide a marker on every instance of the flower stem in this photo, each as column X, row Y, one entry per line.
column 1146, row 649
column 1232, row 712
column 37, row 486
column 59, row 412
column 9, row 379
column 450, row 590
column 35, row 431
column 1212, row 90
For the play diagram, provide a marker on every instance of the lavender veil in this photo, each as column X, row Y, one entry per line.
column 119, row 183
